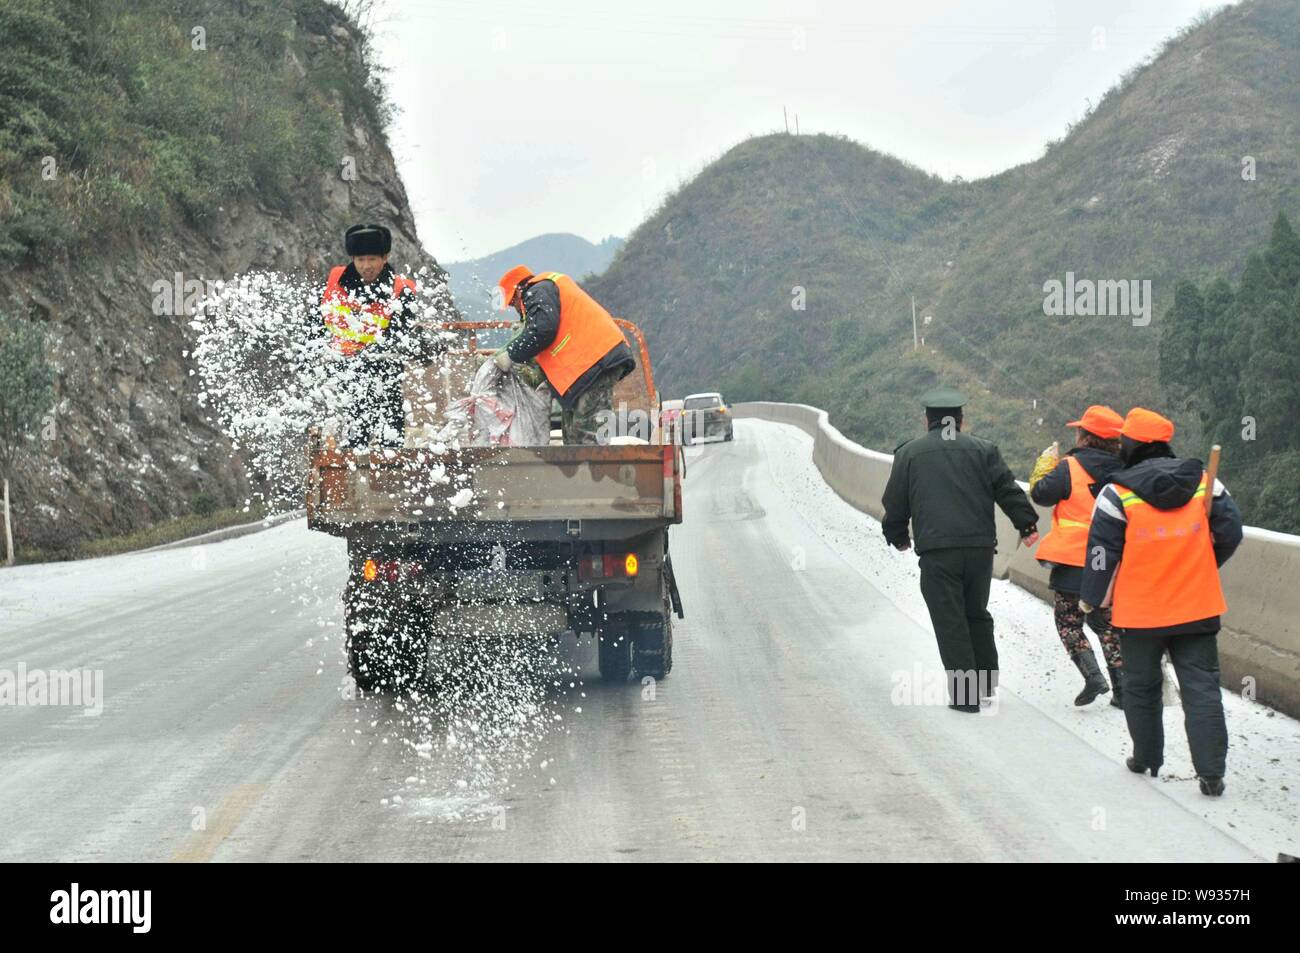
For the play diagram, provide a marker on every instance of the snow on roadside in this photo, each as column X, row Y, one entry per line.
column 1261, row 808
column 43, row 591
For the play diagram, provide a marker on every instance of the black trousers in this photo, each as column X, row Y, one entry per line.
column 375, row 415
column 955, row 584
column 1196, row 663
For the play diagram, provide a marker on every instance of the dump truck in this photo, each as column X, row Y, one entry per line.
column 450, row 542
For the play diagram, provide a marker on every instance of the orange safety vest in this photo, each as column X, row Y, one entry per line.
column 585, row 335
column 1067, row 541
column 1167, row 575
column 354, row 326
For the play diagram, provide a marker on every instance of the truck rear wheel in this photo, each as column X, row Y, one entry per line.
column 387, row 668
column 385, row 654
column 614, row 653
column 410, row 664
column 364, row 668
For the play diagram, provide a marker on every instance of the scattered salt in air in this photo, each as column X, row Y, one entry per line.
column 491, row 698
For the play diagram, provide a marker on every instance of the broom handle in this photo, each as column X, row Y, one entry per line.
column 1211, row 474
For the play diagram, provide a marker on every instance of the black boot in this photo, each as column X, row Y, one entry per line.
column 1094, row 683
column 1117, row 686
column 1138, row 768
column 1212, row 787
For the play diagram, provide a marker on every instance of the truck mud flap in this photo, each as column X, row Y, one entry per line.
column 674, row 596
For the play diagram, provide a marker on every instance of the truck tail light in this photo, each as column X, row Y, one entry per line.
column 607, row 566
column 390, row 570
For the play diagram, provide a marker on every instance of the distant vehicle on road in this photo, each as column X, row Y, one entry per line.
column 705, row 418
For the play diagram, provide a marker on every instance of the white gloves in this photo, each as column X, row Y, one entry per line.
column 503, row 360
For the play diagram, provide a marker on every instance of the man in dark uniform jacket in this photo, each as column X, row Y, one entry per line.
column 946, row 484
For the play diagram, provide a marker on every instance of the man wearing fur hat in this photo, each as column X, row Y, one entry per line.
column 369, row 317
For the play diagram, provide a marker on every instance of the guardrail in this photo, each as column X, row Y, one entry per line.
column 1259, row 646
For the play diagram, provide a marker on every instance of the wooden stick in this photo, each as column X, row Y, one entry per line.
column 1211, row 474
column 1109, row 597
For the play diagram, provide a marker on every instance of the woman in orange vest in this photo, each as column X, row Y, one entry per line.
column 368, row 315
column 1070, row 486
column 574, row 341
column 1154, row 550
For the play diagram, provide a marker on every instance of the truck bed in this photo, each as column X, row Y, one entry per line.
column 350, row 489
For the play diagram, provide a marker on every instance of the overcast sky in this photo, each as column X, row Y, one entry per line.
column 518, row 118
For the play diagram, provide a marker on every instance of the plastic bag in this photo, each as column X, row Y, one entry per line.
column 1046, row 463
column 500, row 411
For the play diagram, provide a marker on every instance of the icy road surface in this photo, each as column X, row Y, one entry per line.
column 228, row 733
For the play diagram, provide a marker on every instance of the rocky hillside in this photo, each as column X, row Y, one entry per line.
column 786, row 269
column 188, row 142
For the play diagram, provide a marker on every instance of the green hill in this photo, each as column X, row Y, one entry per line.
column 1149, row 186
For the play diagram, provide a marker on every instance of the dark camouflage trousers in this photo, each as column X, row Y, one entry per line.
column 1069, row 626
column 587, row 422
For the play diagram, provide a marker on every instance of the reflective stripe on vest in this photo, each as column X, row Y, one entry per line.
column 1067, row 541
column 1167, row 575
column 585, row 335
column 354, row 326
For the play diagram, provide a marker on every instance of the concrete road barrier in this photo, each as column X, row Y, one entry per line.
column 1259, row 647
column 228, row 532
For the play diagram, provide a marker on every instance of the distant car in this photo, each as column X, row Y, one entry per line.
column 705, row 418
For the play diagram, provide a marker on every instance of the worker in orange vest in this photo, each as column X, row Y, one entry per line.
column 573, row 340
column 1154, row 552
column 1070, row 486
column 369, row 318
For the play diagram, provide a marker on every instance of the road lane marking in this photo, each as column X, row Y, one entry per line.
column 230, row 813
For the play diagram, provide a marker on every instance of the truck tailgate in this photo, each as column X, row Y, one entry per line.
column 504, row 484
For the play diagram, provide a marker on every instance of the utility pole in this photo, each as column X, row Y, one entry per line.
column 914, row 342
column 9, row 530
column 796, row 124
column 785, row 113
